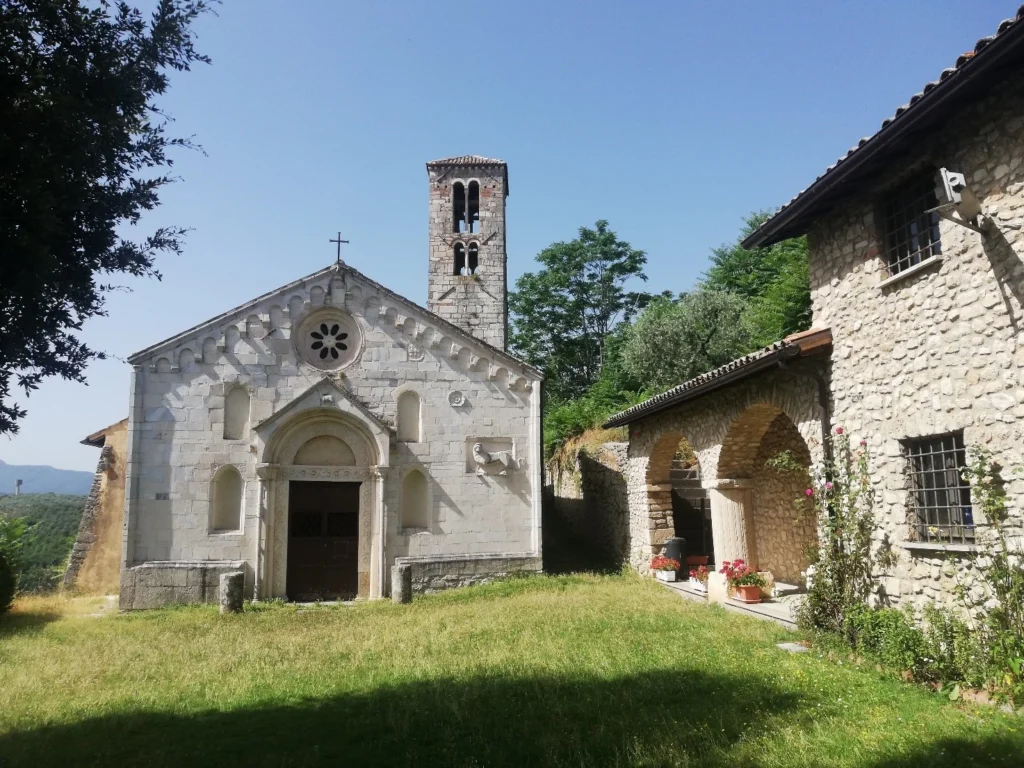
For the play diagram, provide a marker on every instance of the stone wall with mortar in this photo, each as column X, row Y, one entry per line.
column 728, row 424
column 153, row 585
column 593, row 502
column 784, row 523
column 94, row 565
column 939, row 350
column 476, row 303
column 468, row 393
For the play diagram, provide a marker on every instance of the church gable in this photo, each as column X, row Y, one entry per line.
column 311, row 321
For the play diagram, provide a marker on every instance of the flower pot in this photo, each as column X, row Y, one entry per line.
column 665, row 575
column 698, row 586
column 749, row 593
column 696, row 560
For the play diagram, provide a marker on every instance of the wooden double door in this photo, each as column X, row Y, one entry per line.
column 323, row 541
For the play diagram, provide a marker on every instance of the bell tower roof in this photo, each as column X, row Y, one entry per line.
column 472, row 161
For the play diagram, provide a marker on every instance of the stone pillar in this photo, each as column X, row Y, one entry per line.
column 401, row 583
column 230, row 594
column 732, row 521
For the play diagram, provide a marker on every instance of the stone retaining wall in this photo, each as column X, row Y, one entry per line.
column 593, row 503
column 434, row 574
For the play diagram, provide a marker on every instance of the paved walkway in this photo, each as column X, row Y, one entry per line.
column 781, row 610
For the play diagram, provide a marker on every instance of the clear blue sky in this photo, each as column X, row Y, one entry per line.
column 670, row 119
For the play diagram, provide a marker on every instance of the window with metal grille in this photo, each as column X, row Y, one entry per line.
column 911, row 231
column 940, row 496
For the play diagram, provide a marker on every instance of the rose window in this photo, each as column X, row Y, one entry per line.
column 328, row 340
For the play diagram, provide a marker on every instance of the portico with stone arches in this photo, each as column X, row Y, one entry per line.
column 732, row 421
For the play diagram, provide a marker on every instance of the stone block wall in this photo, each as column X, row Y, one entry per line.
column 435, row 574
column 593, row 503
column 939, row 350
column 476, row 303
column 155, row 584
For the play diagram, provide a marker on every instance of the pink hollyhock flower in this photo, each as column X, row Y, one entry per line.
column 809, row 491
column 828, row 486
column 839, row 430
column 863, row 443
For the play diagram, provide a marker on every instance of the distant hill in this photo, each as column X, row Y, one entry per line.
column 42, row 479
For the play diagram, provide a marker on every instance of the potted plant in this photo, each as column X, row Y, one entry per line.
column 699, row 578
column 744, row 581
column 664, row 568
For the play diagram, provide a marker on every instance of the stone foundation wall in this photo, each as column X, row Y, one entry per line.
column 939, row 350
column 784, row 526
column 593, row 501
column 157, row 584
column 435, row 574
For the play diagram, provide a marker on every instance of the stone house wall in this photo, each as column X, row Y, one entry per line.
column 939, row 350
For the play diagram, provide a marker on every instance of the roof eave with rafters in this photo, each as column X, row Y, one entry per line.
column 922, row 112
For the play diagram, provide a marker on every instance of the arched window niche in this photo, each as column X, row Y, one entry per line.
column 409, row 417
column 236, row 413
column 415, row 501
column 226, row 500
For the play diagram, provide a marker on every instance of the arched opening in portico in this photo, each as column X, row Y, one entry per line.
column 677, row 502
column 756, row 500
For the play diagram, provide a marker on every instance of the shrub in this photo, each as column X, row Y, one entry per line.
column 888, row 634
column 8, row 584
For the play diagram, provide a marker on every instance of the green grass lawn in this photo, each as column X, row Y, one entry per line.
column 563, row 671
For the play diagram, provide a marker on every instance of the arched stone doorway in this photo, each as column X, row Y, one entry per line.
column 322, row 503
column 677, row 502
column 756, row 508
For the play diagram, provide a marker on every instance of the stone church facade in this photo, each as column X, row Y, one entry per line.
column 329, row 429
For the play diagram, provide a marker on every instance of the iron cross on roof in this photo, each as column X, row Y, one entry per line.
column 339, row 241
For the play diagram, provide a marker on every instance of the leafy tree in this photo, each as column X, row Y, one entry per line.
column 562, row 313
column 773, row 280
column 673, row 341
column 51, row 521
column 85, row 149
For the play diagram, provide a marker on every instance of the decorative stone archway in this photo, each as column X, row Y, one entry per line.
column 666, row 454
column 726, row 429
column 364, row 462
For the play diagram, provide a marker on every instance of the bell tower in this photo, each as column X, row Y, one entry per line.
column 467, row 281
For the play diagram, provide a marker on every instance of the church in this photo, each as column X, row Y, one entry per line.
column 325, row 431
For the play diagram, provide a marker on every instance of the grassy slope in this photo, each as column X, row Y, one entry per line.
column 53, row 524
column 546, row 671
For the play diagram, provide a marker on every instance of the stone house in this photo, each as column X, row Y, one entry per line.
column 917, row 284
column 329, row 429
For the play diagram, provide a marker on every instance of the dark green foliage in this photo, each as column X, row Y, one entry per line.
column 562, row 314
column 773, row 280
column 84, row 147
column 8, row 584
column 52, row 524
column 673, row 341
